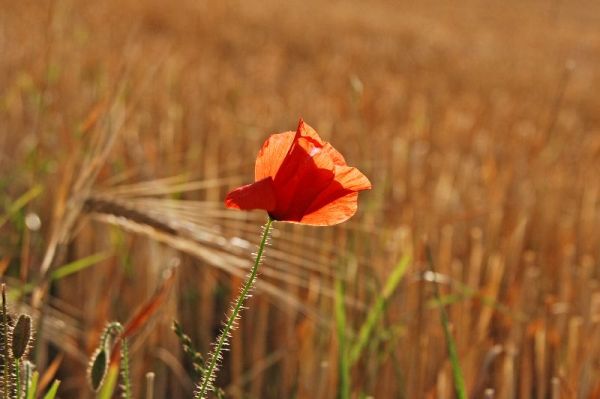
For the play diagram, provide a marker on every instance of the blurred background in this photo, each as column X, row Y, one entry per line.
column 123, row 124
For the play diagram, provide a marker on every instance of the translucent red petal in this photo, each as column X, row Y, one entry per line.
column 259, row 195
column 335, row 212
column 271, row 155
column 334, row 204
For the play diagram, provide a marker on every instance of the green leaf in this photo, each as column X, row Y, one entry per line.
column 20, row 202
column 457, row 374
column 340, row 322
column 110, row 383
column 69, row 268
column 78, row 265
column 466, row 293
column 51, row 394
column 378, row 309
column 31, row 389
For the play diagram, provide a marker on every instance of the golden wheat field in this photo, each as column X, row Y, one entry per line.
column 123, row 125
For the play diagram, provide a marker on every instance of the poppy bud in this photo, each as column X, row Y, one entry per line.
column 21, row 336
column 98, row 369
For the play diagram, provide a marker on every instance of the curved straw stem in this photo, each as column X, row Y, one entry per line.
column 209, row 373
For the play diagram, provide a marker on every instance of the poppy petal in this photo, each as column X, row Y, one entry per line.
column 301, row 178
column 259, row 195
column 304, row 152
column 306, row 171
column 271, row 155
column 347, row 180
column 338, row 211
column 335, row 155
column 305, row 130
column 352, row 178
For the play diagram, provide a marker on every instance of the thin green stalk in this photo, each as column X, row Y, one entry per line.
column 7, row 365
column 51, row 394
column 116, row 329
column 340, row 321
column 125, row 373
column 110, row 383
column 378, row 309
column 457, row 375
column 27, row 379
column 32, row 384
column 18, row 377
column 20, row 203
column 208, row 375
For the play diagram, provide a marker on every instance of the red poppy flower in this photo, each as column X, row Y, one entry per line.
column 303, row 179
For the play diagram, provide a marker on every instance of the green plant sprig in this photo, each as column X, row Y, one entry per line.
column 100, row 362
column 457, row 375
column 209, row 373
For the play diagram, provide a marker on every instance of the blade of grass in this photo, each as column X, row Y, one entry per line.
column 110, row 383
column 31, row 390
column 50, row 373
column 78, row 265
column 466, row 293
column 20, row 202
column 71, row 268
column 340, row 323
column 378, row 309
column 51, row 394
column 457, row 375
